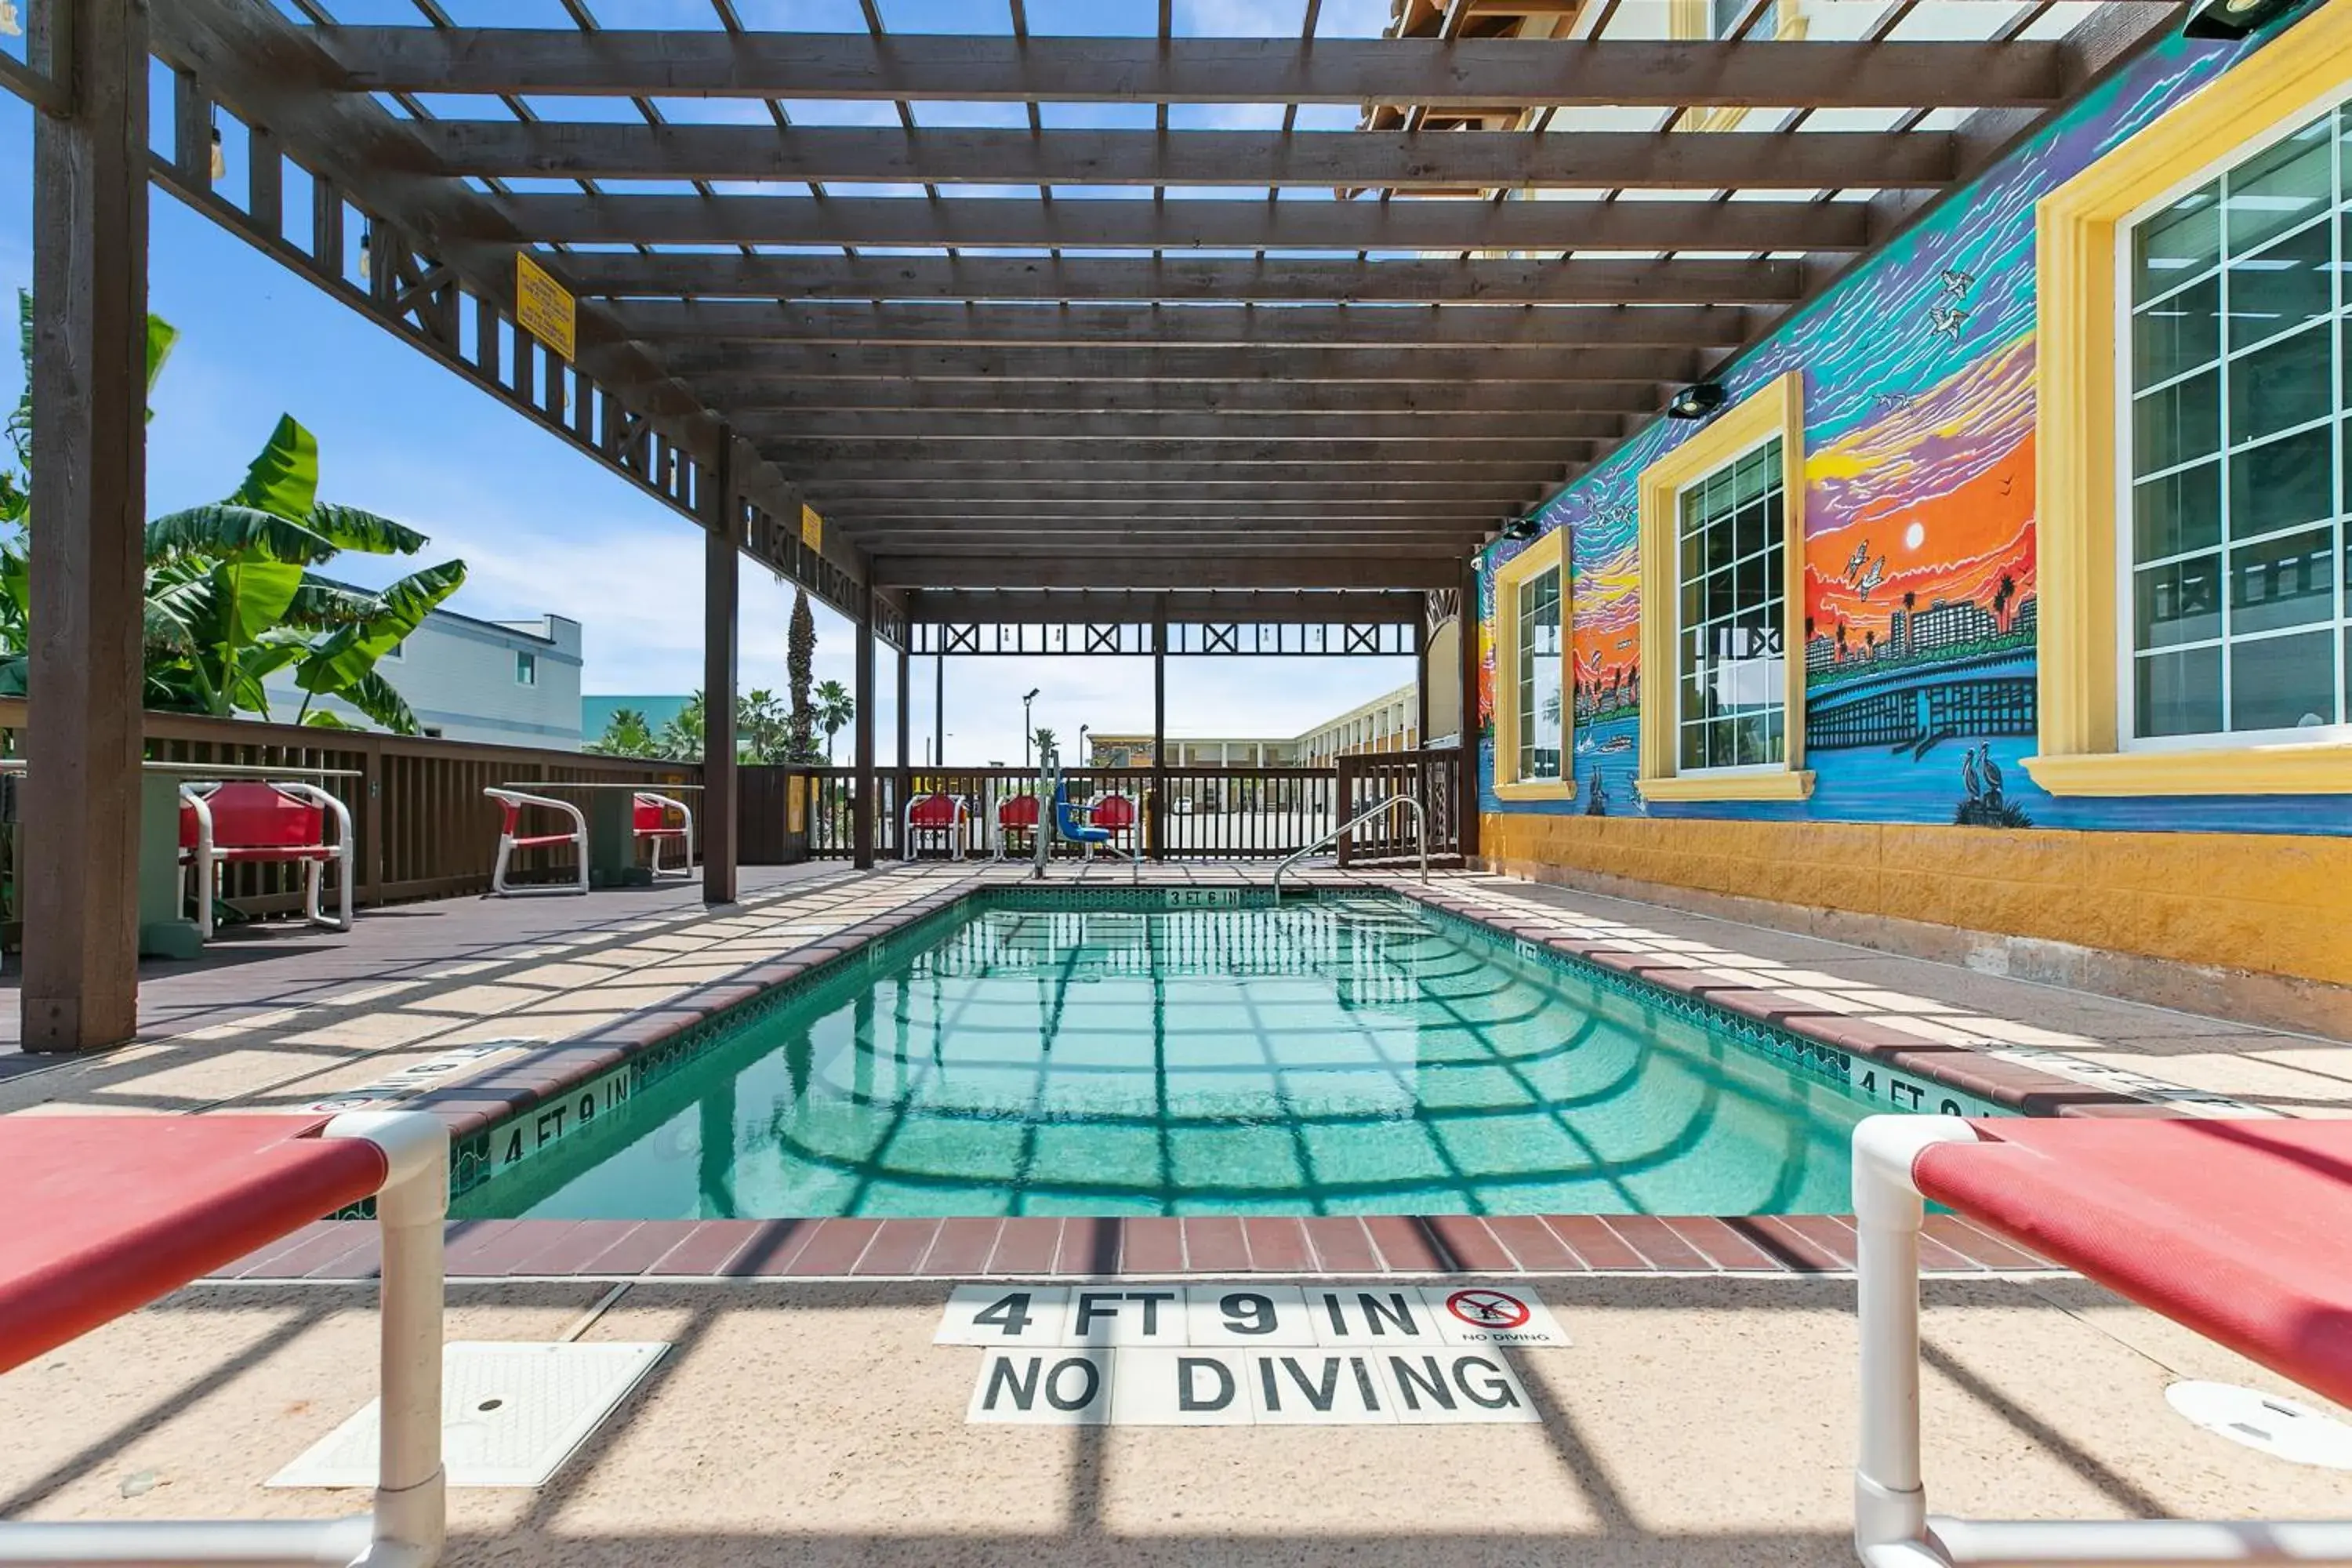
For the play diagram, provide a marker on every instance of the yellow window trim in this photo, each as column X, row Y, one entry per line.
column 1537, row 558
column 1777, row 408
column 2074, row 437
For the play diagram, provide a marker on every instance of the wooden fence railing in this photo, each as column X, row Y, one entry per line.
column 424, row 828
column 1432, row 776
column 1220, row 814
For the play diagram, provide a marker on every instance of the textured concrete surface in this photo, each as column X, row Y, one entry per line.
column 1692, row 1422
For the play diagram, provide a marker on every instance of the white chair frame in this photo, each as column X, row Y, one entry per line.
column 204, row 860
column 654, row 840
column 906, row 828
column 579, row 835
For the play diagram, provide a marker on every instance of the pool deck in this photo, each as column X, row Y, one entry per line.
column 1702, row 1415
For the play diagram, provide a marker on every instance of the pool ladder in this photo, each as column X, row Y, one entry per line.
column 1420, row 835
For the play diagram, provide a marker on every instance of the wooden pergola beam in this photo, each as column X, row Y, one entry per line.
column 735, row 360
column 1437, row 74
column 1214, row 326
column 1179, row 569
column 1219, row 225
column 903, row 423
column 1480, row 281
column 1354, row 160
column 765, row 401
column 883, row 454
column 1356, row 468
column 1114, row 607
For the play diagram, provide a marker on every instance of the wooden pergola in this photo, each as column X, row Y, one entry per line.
column 969, row 327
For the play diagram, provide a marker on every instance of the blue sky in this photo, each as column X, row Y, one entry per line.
column 542, row 528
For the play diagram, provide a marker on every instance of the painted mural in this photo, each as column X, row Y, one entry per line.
column 1920, row 608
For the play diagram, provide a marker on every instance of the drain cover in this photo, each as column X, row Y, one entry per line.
column 510, row 1414
column 2284, row 1428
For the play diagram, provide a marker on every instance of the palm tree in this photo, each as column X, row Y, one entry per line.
column 681, row 737
column 834, row 707
column 1045, row 740
column 800, row 660
column 2001, row 596
column 627, row 734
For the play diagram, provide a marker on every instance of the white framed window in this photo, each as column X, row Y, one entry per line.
column 1732, row 597
column 1539, row 612
column 2234, row 344
column 526, row 668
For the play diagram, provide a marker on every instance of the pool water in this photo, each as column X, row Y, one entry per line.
column 1346, row 1055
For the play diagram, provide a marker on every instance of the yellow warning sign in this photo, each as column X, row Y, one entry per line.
column 544, row 308
column 812, row 528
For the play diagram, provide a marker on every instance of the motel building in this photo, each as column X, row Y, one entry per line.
column 1815, row 1027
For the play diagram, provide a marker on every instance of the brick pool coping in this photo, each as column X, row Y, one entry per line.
column 1213, row 1245
column 1021, row 1246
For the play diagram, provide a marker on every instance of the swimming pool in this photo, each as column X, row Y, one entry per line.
column 1023, row 1053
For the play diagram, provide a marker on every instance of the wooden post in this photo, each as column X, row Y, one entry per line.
column 862, row 788
column 82, row 739
column 1160, row 729
column 722, row 527
column 1466, row 643
column 906, row 773
column 940, row 707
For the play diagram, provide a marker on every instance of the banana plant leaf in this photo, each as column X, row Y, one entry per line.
column 321, row 605
column 352, row 528
column 231, row 528
column 345, row 653
column 373, row 695
column 283, row 480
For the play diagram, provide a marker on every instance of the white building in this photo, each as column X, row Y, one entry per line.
column 515, row 683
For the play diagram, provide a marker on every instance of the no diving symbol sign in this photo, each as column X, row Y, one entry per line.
column 1487, row 1309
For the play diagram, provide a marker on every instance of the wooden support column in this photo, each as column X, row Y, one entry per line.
column 862, row 787
column 940, row 708
column 1421, row 782
column 1465, row 644
column 721, row 563
column 1160, row 729
column 83, row 742
column 905, row 773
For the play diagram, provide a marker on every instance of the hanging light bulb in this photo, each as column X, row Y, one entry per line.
column 366, row 239
column 220, row 156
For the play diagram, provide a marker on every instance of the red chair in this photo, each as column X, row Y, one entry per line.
column 1116, row 812
column 511, row 837
column 252, row 821
column 109, row 1213
column 944, row 814
column 1014, row 813
column 659, row 819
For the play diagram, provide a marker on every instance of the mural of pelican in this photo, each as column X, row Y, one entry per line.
column 1854, row 563
column 1945, row 319
column 1956, row 282
column 1973, row 780
column 1874, row 577
column 1991, row 772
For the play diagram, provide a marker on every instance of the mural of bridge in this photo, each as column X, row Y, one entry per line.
column 1911, row 708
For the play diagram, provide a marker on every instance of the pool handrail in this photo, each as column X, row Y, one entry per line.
column 1419, row 835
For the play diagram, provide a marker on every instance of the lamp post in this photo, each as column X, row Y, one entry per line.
column 1026, row 698
column 1085, row 757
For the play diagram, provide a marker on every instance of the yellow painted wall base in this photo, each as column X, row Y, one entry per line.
column 2273, row 903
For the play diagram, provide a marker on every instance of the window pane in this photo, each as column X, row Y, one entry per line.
column 1729, row 655
column 2178, row 334
column 2181, row 422
column 2284, row 286
column 2287, row 185
column 2283, row 683
column 2177, row 244
column 2180, row 693
column 2280, row 386
column 2178, row 513
column 2282, row 583
column 1540, row 706
column 2283, row 482
column 2177, row 604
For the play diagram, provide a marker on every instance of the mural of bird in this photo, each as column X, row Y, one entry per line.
column 1874, row 577
column 1991, row 771
column 1854, row 563
column 1969, row 777
column 1946, row 319
column 1956, row 282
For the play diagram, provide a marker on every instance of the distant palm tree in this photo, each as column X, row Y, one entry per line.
column 627, row 734
column 2001, row 596
column 1045, row 739
column 834, row 707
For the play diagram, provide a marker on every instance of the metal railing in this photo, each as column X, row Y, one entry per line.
column 1394, row 803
